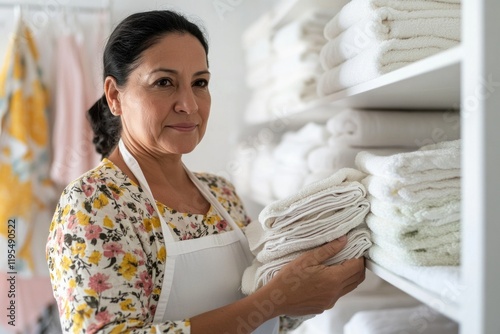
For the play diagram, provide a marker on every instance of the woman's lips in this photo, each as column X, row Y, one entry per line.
column 183, row 127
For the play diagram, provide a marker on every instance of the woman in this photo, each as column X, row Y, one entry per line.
column 142, row 245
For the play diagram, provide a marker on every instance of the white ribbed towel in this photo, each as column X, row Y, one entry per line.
column 277, row 214
column 383, row 58
column 434, row 211
column 259, row 274
column 401, row 320
column 381, row 26
column 325, row 224
column 357, row 10
column 428, row 159
column 414, row 236
column 396, row 192
column 377, row 128
column 444, row 255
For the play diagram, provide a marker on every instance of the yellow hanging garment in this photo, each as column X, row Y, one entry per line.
column 26, row 193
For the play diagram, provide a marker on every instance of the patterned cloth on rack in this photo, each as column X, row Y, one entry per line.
column 25, row 188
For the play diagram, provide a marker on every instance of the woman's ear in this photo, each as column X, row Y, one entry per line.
column 112, row 95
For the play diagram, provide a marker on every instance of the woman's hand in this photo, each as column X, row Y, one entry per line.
column 306, row 286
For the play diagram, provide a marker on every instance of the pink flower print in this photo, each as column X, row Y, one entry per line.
column 226, row 191
column 92, row 231
column 72, row 222
column 112, row 249
column 150, row 208
column 221, row 226
column 103, row 317
column 87, row 190
column 145, row 283
column 186, row 236
column 99, row 283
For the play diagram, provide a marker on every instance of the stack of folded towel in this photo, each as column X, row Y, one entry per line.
column 320, row 212
column 352, row 131
column 415, row 204
column 368, row 38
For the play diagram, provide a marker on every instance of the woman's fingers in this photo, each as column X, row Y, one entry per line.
column 323, row 253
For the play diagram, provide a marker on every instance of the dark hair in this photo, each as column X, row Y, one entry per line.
column 125, row 45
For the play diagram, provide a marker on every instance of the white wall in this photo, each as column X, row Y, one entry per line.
column 224, row 20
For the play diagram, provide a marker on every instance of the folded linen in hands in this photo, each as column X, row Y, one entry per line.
column 377, row 128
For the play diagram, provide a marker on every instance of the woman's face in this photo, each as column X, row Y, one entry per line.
column 165, row 103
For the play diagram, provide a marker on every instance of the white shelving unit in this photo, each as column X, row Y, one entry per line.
column 465, row 78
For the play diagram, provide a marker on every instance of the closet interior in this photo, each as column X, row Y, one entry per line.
column 453, row 76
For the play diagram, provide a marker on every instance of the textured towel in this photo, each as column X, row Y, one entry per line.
column 382, row 26
column 259, row 274
column 373, row 128
column 401, row 320
column 427, row 160
column 383, row 58
column 433, row 211
column 357, row 10
column 327, row 223
column 396, row 192
column 444, row 281
column 414, row 237
column 272, row 215
column 444, row 255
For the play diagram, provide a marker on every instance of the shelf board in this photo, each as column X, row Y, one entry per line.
column 446, row 307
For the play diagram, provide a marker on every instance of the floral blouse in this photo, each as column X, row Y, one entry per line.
column 106, row 253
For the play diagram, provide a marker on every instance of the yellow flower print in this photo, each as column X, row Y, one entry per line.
column 118, row 329
column 78, row 249
column 82, row 312
column 72, row 283
column 162, row 254
column 108, row 222
column 114, row 188
column 82, row 218
column 128, row 267
column 66, row 210
column 91, row 292
column 156, row 222
column 127, row 305
column 95, row 257
column 211, row 220
column 147, row 224
column 65, row 263
column 100, row 202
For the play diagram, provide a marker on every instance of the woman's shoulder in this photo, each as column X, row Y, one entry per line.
column 217, row 183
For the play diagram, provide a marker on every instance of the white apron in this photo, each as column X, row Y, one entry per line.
column 200, row 274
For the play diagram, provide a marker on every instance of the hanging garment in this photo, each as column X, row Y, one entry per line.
column 26, row 192
column 217, row 260
column 73, row 150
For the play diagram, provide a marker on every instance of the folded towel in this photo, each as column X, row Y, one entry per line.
column 305, row 61
column 413, row 237
column 444, row 281
column 271, row 215
column 373, row 128
column 383, row 58
column 259, row 274
column 326, row 224
column 401, row 320
column 427, row 161
column 357, row 10
column 396, row 192
column 444, row 255
column 433, row 211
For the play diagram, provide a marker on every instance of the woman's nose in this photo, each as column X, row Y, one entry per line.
column 186, row 101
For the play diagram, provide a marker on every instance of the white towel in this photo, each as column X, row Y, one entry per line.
column 401, row 320
column 259, row 274
column 326, row 224
column 377, row 128
column 397, row 192
column 414, row 236
column 444, row 255
column 428, row 160
column 434, row 211
column 343, row 178
column 357, row 10
column 386, row 24
column 383, row 58
column 286, row 180
column 444, row 281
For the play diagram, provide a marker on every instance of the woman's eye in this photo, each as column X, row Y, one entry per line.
column 201, row 83
column 163, row 82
